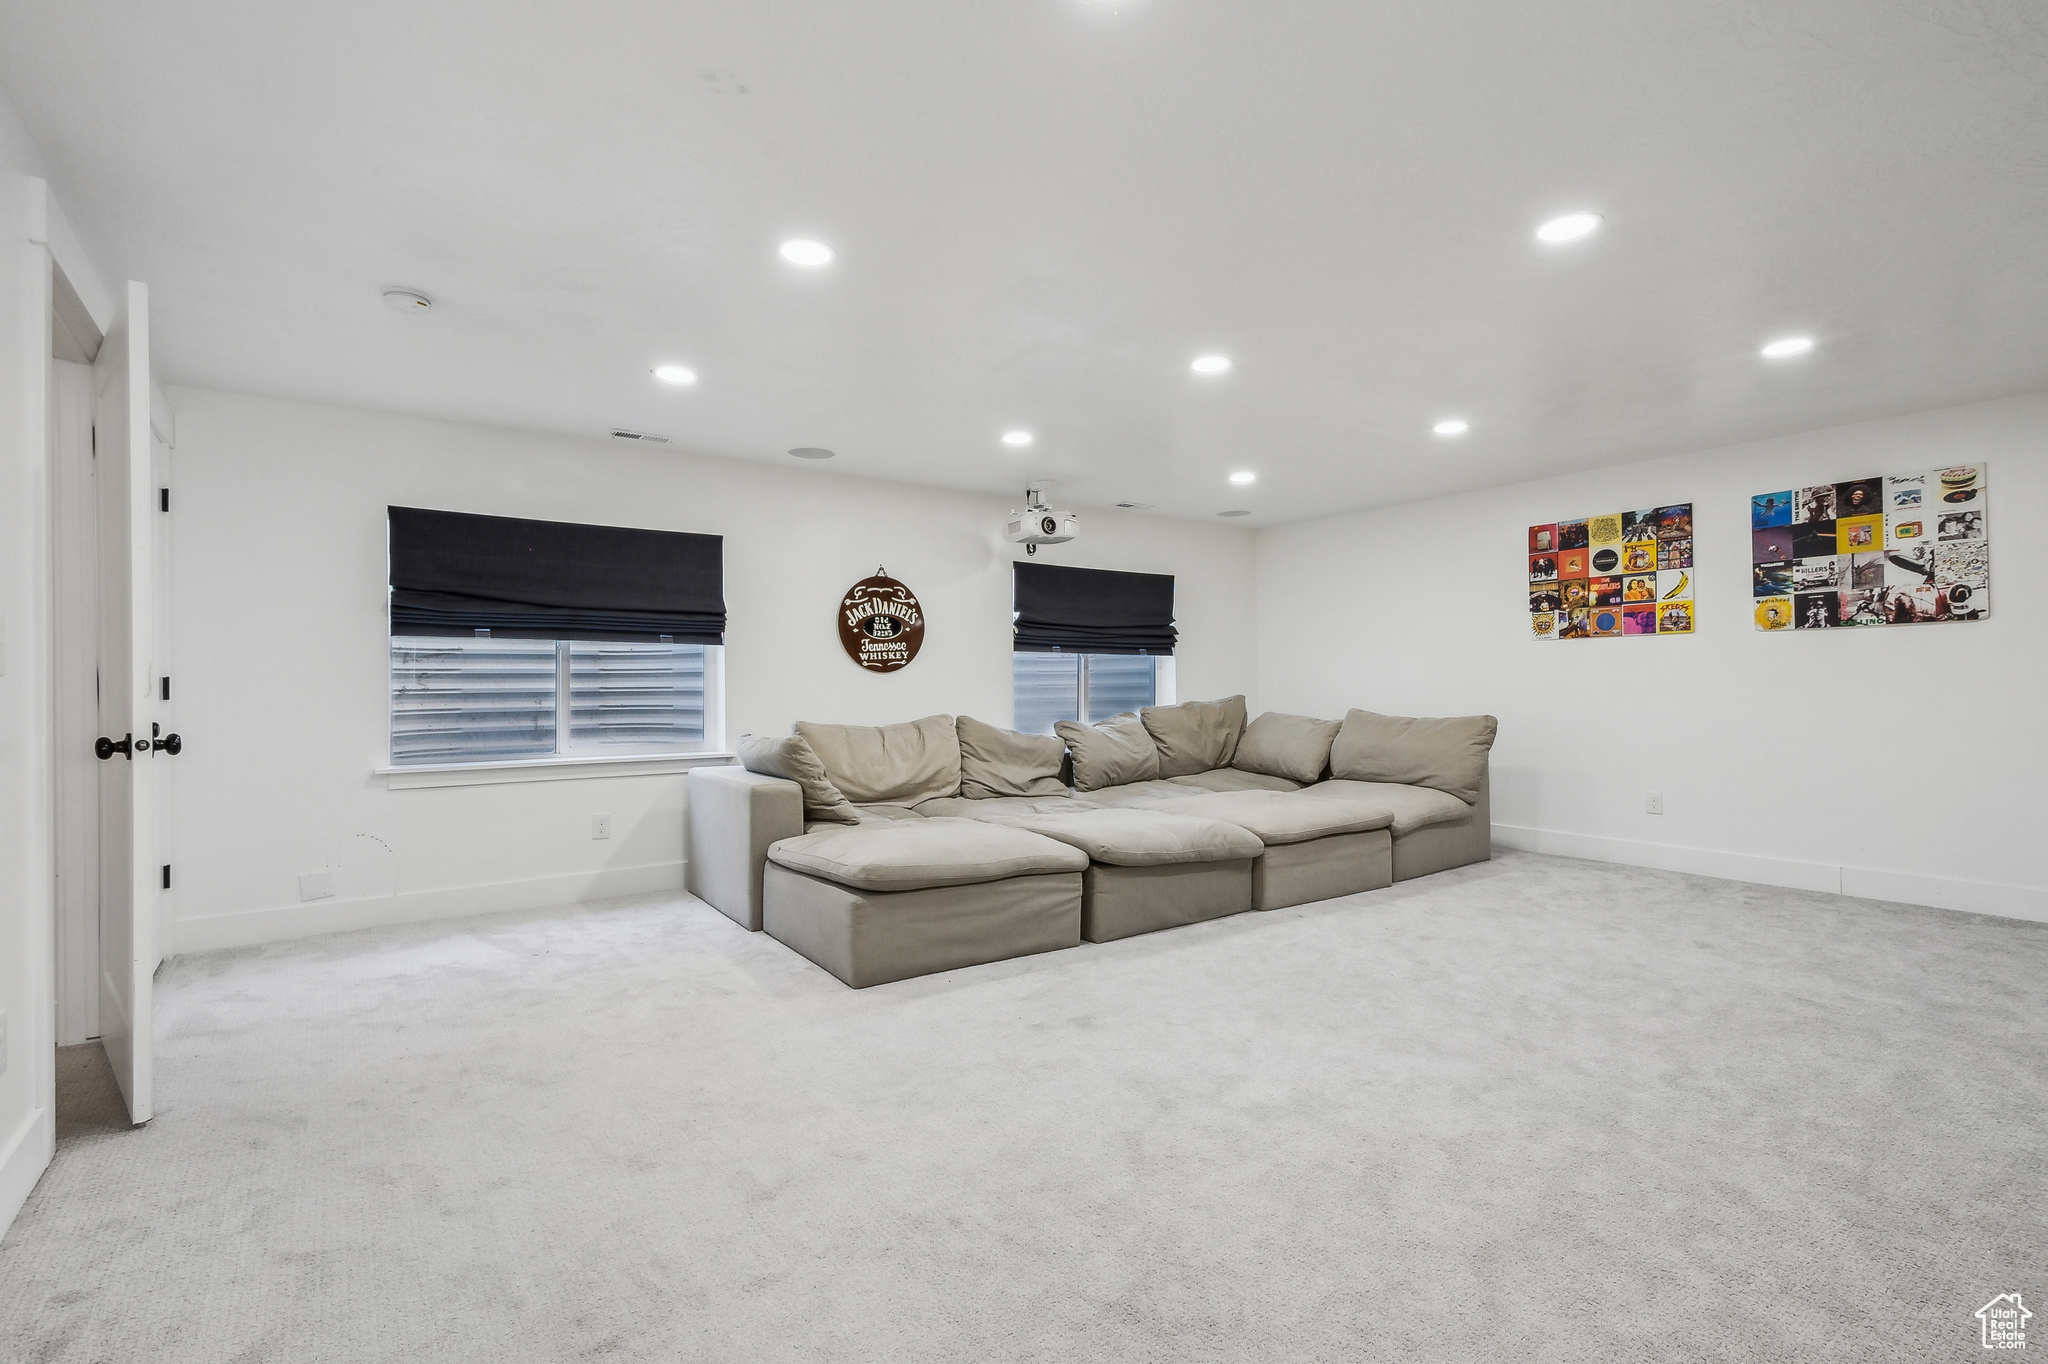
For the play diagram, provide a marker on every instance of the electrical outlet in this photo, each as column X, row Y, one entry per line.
column 600, row 826
column 1653, row 803
column 316, row 885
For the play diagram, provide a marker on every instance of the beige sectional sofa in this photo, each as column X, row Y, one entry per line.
column 885, row 852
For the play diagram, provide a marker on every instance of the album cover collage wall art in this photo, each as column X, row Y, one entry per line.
column 1627, row 573
column 1905, row 549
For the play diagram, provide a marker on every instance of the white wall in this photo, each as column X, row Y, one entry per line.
column 25, row 820
column 280, row 647
column 1901, row 762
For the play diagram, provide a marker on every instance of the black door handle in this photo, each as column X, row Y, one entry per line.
column 106, row 748
column 169, row 743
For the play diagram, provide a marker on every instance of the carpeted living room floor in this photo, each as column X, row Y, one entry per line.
column 1536, row 1109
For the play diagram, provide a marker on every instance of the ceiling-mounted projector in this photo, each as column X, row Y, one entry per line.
column 1038, row 524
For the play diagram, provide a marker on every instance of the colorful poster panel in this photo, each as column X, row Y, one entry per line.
column 1621, row 573
column 1900, row 549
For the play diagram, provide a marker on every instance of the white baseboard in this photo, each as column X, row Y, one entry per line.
column 1870, row 883
column 22, row 1162
column 288, row 922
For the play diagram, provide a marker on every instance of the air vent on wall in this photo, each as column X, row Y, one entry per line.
column 620, row 433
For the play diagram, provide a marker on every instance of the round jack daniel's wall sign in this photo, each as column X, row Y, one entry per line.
column 881, row 626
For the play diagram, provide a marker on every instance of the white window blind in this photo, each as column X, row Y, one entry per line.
column 485, row 700
column 1049, row 687
column 638, row 698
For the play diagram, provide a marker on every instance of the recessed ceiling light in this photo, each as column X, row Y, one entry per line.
column 407, row 301
column 807, row 253
column 1569, row 228
column 1211, row 364
column 811, row 452
column 675, row 374
column 1787, row 346
column 1453, row 426
column 1234, row 513
column 1244, row 476
column 1017, row 439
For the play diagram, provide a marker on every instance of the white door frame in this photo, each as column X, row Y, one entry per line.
column 75, row 586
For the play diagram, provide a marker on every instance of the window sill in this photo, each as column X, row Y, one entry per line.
column 547, row 769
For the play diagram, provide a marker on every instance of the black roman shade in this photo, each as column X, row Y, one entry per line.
column 1092, row 610
column 453, row 573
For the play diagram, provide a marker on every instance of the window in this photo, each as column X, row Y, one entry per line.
column 1089, row 643
column 491, row 700
column 520, row 641
column 1052, row 687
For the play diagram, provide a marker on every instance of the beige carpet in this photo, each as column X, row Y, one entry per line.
column 1533, row 1110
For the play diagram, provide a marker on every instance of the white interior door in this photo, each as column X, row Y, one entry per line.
column 130, row 872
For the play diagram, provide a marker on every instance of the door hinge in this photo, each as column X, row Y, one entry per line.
column 163, row 499
column 167, row 876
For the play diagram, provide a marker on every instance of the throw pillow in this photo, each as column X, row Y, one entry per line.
column 790, row 758
column 889, row 764
column 1195, row 736
column 1003, row 762
column 1293, row 746
column 1114, row 753
column 1442, row 754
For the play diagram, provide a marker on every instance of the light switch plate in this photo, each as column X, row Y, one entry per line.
column 600, row 826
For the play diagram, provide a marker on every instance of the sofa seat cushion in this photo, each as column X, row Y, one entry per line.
column 1138, row 794
column 915, row 854
column 999, row 807
column 1144, row 838
column 1413, row 807
column 866, row 814
column 1279, row 817
column 1231, row 779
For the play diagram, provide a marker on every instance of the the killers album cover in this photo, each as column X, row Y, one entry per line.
column 1901, row 549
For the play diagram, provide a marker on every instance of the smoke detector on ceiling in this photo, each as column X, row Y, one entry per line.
column 620, row 433
column 408, row 301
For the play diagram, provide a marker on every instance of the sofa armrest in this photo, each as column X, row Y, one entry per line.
column 733, row 815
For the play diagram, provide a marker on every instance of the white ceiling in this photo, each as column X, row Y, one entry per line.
column 1044, row 208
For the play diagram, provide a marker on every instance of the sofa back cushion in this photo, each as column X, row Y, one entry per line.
column 1001, row 762
column 889, row 764
column 790, row 758
column 1293, row 746
column 1113, row 753
column 1442, row 754
column 1195, row 735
